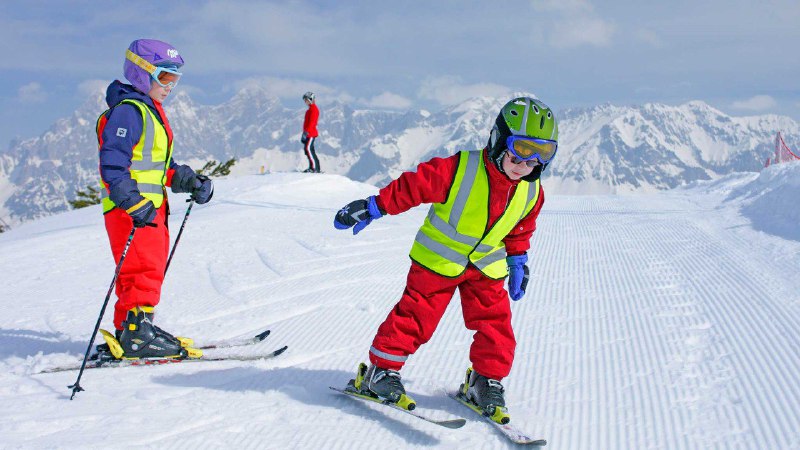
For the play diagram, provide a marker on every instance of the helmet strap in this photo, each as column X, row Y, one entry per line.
column 141, row 62
column 497, row 143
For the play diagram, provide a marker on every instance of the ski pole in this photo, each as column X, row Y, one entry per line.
column 77, row 387
column 178, row 238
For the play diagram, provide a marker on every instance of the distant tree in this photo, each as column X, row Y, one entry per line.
column 89, row 197
column 214, row 169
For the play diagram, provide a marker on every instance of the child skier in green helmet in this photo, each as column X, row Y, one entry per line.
column 483, row 214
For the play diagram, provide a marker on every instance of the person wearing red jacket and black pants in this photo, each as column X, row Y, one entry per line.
column 483, row 214
column 310, row 132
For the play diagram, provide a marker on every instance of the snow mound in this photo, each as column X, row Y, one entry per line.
column 772, row 200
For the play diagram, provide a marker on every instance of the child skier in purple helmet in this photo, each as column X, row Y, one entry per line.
column 136, row 167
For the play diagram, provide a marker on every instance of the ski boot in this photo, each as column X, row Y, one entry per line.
column 486, row 395
column 381, row 384
column 104, row 349
column 139, row 338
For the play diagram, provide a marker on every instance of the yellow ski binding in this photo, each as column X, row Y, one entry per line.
column 113, row 344
column 185, row 341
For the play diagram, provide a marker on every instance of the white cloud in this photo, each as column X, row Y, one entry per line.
column 756, row 103
column 292, row 89
column 31, row 93
column 450, row 90
column 577, row 31
column 564, row 6
column 389, row 100
column 649, row 37
column 90, row 87
column 575, row 23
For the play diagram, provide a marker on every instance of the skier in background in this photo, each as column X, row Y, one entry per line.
column 310, row 132
column 477, row 232
column 136, row 167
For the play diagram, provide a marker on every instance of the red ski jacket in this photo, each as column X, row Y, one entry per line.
column 310, row 122
column 431, row 182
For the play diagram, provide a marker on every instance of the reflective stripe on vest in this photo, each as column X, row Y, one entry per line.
column 150, row 159
column 454, row 233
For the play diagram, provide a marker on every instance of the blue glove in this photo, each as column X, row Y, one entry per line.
column 183, row 179
column 518, row 275
column 357, row 214
column 203, row 189
column 200, row 187
column 143, row 214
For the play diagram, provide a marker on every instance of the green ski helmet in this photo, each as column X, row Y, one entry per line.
column 522, row 116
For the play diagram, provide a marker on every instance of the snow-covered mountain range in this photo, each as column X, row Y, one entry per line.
column 604, row 149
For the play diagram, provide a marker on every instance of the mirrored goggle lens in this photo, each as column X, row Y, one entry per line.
column 168, row 78
column 541, row 149
column 533, row 162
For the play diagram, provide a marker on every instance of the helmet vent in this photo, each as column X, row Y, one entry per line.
column 549, row 114
column 514, row 112
column 541, row 123
column 535, row 109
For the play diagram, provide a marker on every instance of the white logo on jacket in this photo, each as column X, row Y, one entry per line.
column 122, row 132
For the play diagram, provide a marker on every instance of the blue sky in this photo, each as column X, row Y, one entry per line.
column 738, row 56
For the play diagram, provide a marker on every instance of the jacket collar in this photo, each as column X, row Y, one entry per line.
column 496, row 178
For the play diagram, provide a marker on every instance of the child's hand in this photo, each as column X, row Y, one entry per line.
column 518, row 275
column 357, row 214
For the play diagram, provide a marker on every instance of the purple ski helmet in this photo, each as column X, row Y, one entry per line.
column 141, row 54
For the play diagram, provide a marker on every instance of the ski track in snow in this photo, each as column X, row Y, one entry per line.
column 651, row 322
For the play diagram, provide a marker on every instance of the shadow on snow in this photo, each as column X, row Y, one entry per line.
column 310, row 387
column 24, row 343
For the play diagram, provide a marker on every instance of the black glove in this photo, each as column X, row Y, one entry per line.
column 304, row 138
column 143, row 215
column 200, row 187
column 183, row 180
column 203, row 189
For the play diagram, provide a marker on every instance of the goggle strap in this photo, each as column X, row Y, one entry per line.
column 141, row 62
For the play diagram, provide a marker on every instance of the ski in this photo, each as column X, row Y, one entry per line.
column 186, row 342
column 448, row 423
column 228, row 343
column 511, row 432
column 108, row 361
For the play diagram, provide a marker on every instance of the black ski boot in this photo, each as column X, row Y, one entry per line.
column 486, row 394
column 141, row 339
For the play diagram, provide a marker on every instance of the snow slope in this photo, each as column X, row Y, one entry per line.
column 659, row 321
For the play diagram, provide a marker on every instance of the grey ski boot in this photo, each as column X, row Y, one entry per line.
column 487, row 395
column 382, row 384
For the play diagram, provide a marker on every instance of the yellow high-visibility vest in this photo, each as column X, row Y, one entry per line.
column 150, row 161
column 454, row 233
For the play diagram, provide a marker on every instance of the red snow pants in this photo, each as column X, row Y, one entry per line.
column 412, row 321
column 142, row 273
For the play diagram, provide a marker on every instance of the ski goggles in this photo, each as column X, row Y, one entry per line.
column 166, row 76
column 531, row 150
column 163, row 75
